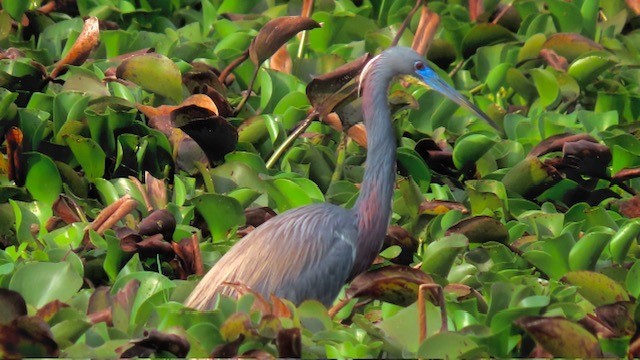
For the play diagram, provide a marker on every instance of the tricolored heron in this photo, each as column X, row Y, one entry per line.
column 310, row 252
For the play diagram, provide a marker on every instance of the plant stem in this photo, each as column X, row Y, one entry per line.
column 248, row 93
column 405, row 23
column 239, row 60
column 289, row 140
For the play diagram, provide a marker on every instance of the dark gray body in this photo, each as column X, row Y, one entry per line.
column 280, row 258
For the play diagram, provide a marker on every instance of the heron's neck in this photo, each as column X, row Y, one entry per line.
column 373, row 206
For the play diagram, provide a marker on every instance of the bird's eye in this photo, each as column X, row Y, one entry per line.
column 419, row 65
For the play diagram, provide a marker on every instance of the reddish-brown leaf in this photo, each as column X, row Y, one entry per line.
column 289, row 343
column 556, row 142
column 79, row 52
column 155, row 342
column 561, row 337
column 480, row 229
column 439, row 207
column 276, row 33
column 397, row 235
column 325, row 92
column 426, row 30
column 27, row 336
column 188, row 253
column 50, row 309
column 393, row 284
column 66, row 209
column 158, row 222
column 554, row 60
column 16, row 169
column 12, row 306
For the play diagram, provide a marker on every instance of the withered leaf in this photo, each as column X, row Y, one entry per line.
column 289, row 343
column 480, row 229
column 256, row 216
column 426, row 30
column 619, row 317
column 158, row 222
column 155, row 341
column 50, row 309
column 554, row 60
column 27, row 336
column 556, row 142
column 214, row 134
column 81, row 49
column 630, row 207
column 65, row 208
column 276, row 33
column 438, row 207
column 188, row 253
column 397, row 235
column 325, row 92
column 560, row 336
column 393, row 284
column 228, row 350
column 12, row 306
column 16, row 169
column 588, row 158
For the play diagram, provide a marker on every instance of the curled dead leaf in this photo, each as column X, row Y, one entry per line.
column 276, row 33
column 84, row 44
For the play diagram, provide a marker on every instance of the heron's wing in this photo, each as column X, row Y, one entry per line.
column 304, row 253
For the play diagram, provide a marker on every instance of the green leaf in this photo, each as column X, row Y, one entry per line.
column 155, row 73
column 470, row 148
column 222, row 214
column 439, row 255
column 16, row 8
column 39, row 168
column 622, row 240
column 597, row 288
column 56, row 281
column 89, row 154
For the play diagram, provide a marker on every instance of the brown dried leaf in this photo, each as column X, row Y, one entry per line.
column 561, row 337
column 397, row 235
column 554, row 60
column 14, row 137
column 393, row 284
column 228, row 350
column 588, row 158
column 50, row 309
column 634, row 5
column 153, row 246
column 66, row 209
column 158, row 222
column 476, row 7
column 359, row 134
column 619, row 317
column 79, row 52
column 27, row 336
column 480, row 229
column 289, row 343
column 188, row 253
column 325, row 92
column 12, row 306
column 556, row 142
column 11, row 53
column 155, row 342
column 439, row 207
column 156, row 190
column 626, row 174
column 570, row 45
column 630, row 207
column 281, row 61
column 464, row 292
column 257, row 216
column 427, row 27
column 276, row 33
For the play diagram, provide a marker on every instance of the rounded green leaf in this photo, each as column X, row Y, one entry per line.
column 88, row 153
column 585, row 253
column 222, row 213
column 43, row 179
column 546, row 85
column 439, row 255
column 622, row 240
column 597, row 288
column 155, row 73
column 586, row 69
column 470, row 148
column 42, row 282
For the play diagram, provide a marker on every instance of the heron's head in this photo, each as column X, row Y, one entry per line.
column 402, row 61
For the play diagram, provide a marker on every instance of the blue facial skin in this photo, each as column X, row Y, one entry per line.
column 429, row 77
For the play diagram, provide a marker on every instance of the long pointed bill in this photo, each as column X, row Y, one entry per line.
column 429, row 77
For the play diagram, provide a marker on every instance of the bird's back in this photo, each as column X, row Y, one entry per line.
column 304, row 253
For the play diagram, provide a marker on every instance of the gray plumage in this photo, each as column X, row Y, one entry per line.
column 310, row 252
